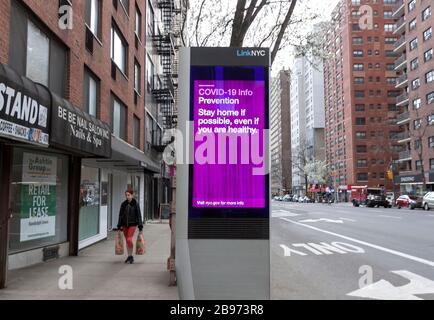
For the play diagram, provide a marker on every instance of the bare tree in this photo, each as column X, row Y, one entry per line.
column 268, row 23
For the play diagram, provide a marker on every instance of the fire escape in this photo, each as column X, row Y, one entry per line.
column 167, row 45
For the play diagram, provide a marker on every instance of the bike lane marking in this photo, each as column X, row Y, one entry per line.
column 378, row 247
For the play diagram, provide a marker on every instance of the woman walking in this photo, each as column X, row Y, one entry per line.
column 130, row 217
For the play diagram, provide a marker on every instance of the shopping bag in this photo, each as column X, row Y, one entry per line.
column 140, row 245
column 119, row 244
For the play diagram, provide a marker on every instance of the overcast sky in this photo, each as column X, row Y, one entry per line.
column 322, row 7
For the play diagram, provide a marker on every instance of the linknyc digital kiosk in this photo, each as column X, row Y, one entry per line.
column 222, row 194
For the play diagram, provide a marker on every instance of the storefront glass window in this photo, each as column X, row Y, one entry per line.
column 38, row 200
column 89, row 202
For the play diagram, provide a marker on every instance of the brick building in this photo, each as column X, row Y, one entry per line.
column 97, row 72
column 416, row 66
column 360, row 94
column 280, row 134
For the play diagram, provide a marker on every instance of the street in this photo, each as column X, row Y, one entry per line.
column 337, row 251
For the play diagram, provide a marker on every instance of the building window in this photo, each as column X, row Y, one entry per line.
column 358, row 67
column 429, row 76
column 149, row 74
column 417, row 124
column 360, row 121
column 358, row 53
column 137, row 77
column 415, row 84
column 413, row 44
column 361, row 135
column 360, row 94
column 388, row 27
column 360, row 107
column 93, row 17
column 359, row 80
column 138, row 24
column 427, row 34
column 411, row 5
column 136, row 130
column 388, row 14
column 417, row 103
column 38, row 54
column 150, row 19
column 91, row 92
column 430, row 98
column 414, row 64
column 89, row 221
column 431, row 164
column 126, row 5
column 412, row 25
column 119, row 119
column 361, row 177
column 431, row 142
column 428, row 55
column 361, row 149
column 418, row 164
column 34, row 53
column 362, row 163
column 391, row 81
column 430, row 119
column 119, row 50
column 390, row 67
column 357, row 40
column 39, row 200
column 148, row 131
column 426, row 13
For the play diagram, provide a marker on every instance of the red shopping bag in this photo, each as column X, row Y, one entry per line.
column 140, row 244
column 119, row 244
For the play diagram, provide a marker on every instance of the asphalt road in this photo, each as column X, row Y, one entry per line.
column 328, row 252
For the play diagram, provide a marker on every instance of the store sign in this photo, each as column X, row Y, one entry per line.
column 23, row 113
column 418, row 178
column 38, row 197
column 74, row 129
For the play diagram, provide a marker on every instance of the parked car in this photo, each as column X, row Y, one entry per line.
column 406, row 201
column 287, row 197
column 295, row 198
column 390, row 197
column 428, row 201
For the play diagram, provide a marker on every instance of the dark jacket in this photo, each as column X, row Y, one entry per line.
column 130, row 215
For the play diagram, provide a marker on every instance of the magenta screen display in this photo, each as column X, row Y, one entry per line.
column 229, row 144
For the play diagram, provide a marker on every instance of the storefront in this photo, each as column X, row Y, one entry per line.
column 34, row 177
column 410, row 184
column 43, row 139
column 87, row 137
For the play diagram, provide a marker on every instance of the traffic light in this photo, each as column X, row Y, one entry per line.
column 389, row 174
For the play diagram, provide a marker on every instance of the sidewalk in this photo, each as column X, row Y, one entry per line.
column 99, row 274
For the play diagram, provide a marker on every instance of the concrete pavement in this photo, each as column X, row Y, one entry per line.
column 336, row 251
column 99, row 274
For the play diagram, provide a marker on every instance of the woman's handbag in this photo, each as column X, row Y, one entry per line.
column 140, row 244
column 119, row 243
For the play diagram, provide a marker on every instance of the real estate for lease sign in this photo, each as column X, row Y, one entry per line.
column 38, row 197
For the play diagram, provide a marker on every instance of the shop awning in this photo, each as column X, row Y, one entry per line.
column 125, row 157
column 77, row 131
column 24, row 108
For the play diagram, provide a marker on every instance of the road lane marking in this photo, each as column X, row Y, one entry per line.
column 347, row 219
column 321, row 248
column 283, row 213
column 391, row 251
column 393, row 217
column 384, row 290
column 320, row 220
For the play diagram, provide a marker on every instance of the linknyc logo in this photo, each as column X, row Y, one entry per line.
column 251, row 53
